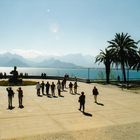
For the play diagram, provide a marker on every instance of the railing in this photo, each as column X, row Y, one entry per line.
column 85, row 74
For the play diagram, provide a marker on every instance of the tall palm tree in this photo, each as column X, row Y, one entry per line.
column 105, row 57
column 122, row 47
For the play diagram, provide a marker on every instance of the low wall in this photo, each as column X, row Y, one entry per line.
column 48, row 77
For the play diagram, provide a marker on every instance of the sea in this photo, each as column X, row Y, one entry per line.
column 85, row 73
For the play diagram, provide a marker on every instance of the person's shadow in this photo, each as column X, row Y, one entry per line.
column 55, row 96
column 49, row 96
column 99, row 103
column 61, row 96
column 64, row 90
column 87, row 114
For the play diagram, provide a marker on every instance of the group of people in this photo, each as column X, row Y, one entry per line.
column 11, row 96
column 60, row 86
column 40, row 87
column 73, row 86
column 44, row 88
column 2, row 75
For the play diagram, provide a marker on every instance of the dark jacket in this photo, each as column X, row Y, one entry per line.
column 82, row 99
column 95, row 91
column 20, row 93
column 10, row 93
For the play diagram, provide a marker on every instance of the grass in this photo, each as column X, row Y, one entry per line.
column 24, row 83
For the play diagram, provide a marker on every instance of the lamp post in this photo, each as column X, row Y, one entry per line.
column 88, row 80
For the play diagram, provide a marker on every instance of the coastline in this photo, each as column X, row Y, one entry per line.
column 83, row 73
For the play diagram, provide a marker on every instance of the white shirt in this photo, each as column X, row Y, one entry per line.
column 38, row 86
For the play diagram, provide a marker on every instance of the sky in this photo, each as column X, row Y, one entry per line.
column 59, row 27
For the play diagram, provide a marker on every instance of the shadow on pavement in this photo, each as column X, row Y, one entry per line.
column 87, row 114
column 61, row 96
column 99, row 104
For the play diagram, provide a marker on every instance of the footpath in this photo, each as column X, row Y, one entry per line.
column 58, row 118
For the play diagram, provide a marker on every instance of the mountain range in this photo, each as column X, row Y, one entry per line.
column 66, row 61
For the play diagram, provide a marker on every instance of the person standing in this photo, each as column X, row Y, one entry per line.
column 42, row 87
column 59, row 87
column 64, row 81
column 53, row 89
column 95, row 93
column 38, row 86
column 82, row 101
column 75, row 87
column 47, row 88
column 70, row 87
column 20, row 97
column 10, row 96
column 63, row 84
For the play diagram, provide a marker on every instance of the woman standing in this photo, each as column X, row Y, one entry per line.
column 95, row 93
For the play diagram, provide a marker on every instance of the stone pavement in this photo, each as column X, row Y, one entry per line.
column 43, row 115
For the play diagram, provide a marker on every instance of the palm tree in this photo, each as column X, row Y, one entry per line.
column 105, row 57
column 122, row 48
column 135, row 62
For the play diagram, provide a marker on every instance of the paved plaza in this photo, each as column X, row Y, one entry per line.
column 59, row 118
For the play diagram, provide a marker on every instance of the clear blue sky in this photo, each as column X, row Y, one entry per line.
column 57, row 27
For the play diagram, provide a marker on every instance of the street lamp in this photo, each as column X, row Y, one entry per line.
column 88, row 80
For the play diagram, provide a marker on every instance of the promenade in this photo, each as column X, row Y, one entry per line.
column 44, row 118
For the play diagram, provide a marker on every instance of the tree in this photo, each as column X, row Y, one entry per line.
column 135, row 61
column 122, row 48
column 105, row 57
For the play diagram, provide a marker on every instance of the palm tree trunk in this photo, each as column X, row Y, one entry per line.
column 123, row 72
column 107, row 74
